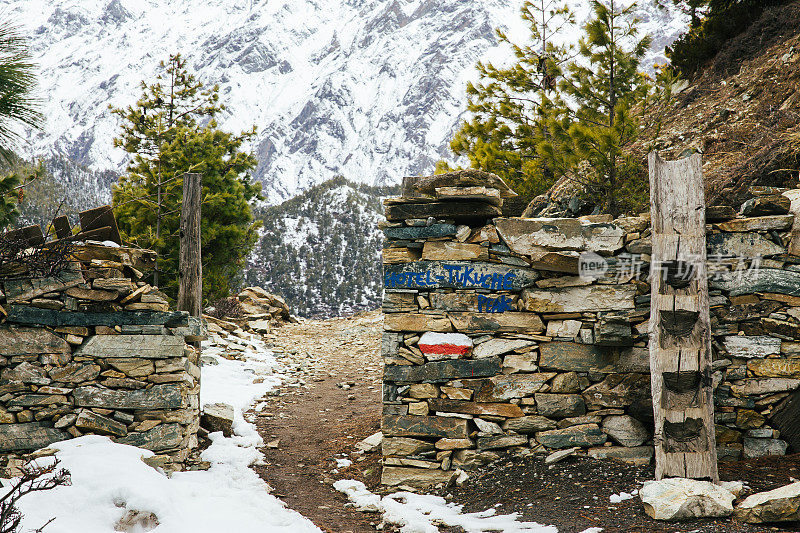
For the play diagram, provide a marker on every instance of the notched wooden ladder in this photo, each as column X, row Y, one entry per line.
column 680, row 332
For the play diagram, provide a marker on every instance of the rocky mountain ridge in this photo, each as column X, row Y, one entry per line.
column 369, row 89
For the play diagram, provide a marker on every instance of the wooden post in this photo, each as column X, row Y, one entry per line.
column 680, row 327
column 190, row 269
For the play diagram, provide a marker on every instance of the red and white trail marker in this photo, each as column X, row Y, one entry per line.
column 444, row 345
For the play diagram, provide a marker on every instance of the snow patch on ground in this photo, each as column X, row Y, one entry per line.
column 622, row 496
column 110, row 479
column 422, row 513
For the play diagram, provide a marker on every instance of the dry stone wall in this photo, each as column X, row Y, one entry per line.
column 94, row 349
column 496, row 343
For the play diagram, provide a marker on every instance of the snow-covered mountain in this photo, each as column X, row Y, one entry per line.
column 369, row 89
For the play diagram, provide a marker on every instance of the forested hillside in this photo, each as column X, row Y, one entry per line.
column 321, row 250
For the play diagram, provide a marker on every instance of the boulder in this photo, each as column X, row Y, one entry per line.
column 625, row 430
column 682, row 499
column 778, row 505
column 217, row 417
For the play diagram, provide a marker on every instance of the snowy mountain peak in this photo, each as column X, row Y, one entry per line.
column 369, row 89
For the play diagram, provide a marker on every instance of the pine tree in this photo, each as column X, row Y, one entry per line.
column 18, row 106
column 591, row 143
column 510, row 106
column 172, row 130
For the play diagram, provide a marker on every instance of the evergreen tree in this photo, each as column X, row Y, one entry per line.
column 591, row 143
column 510, row 106
column 172, row 130
column 18, row 106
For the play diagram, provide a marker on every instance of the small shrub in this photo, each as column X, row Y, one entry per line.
column 33, row 478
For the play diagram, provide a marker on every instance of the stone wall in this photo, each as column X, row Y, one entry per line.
column 495, row 344
column 93, row 349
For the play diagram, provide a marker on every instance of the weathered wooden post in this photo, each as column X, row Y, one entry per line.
column 680, row 327
column 190, row 269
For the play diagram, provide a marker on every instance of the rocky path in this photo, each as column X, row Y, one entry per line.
column 333, row 404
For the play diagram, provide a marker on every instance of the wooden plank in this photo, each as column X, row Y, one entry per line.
column 458, row 275
column 190, row 267
column 680, row 325
column 62, row 227
column 100, row 217
column 32, row 235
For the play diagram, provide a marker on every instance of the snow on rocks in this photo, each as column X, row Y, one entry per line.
column 444, row 345
column 778, row 505
column 423, row 513
column 113, row 484
column 680, row 498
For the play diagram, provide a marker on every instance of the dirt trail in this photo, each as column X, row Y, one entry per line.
column 334, row 404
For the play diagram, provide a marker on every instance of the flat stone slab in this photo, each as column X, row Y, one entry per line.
column 218, row 417
column 502, row 388
column 778, row 505
column 433, row 231
column 582, row 436
column 527, row 236
column 509, row 322
column 760, row 280
column 91, row 422
column 28, row 436
column 508, row 410
column 639, row 455
column 681, row 499
column 24, row 314
column 419, row 478
column 160, row 438
column 156, row 397
column 418, row 322
column 25, row 289
column 591, row 298
column 459, row 211
column 424, row 426
column 457, row 275
column 145, row 346
column 776, row 222
column 571, row 356
column 755, row 386
column 454, row 251
column 443, row 370
column 747, row 245
column 30, row 341
column 752, row 346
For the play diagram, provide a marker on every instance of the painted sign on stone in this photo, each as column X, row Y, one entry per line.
column 457, row 275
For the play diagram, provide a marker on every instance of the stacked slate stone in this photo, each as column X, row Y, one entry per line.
column 494, row 344
column 95, row 349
